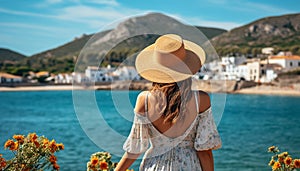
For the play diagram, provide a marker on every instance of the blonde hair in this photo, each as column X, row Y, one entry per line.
column 175, row 95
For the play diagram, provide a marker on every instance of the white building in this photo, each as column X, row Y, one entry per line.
column 123, row 73
column 267, row 50
column 262, row 71
column 96, row 74
column 255, row 70
column 239, row 68
column 233, row 68
column 287, row 62
column 79, row 78
column 64, row 78
column 241, row 71
column 9, row 78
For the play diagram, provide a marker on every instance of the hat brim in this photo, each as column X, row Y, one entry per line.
column 148, row 68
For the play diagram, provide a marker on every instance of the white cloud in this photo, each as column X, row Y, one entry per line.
column 23, row 13
column 105, row 2
column 94, row 16
column 30, row 26
column 53, row 1
column 228, row 25
column 246, row 6
column 263, row 7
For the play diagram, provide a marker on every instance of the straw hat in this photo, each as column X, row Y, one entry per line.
column 170, row 59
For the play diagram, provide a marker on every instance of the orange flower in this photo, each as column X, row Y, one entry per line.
column 8, row 143
column 288, row 160
column 60, row 146
column 94, row 161
column 15, row 146
column 45, row 142
column 19, row 138
column 52, row 159
column 33, row 137
column 271, row 162
column 297, row 163
column 52, row 146
column 56, row 166
column 37, row 144
column 2, row 162
column 280, row 158
column 276, row 165
column 11, row 145
column 103, row 165
column 271, row 149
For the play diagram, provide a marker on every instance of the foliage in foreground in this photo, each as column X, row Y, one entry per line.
column 31, row 153
column 282, row 161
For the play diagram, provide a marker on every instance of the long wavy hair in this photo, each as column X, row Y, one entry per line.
column 172, row 99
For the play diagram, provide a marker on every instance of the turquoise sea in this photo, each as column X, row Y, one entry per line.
column 249, row 125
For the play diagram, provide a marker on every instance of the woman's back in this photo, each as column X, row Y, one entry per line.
column 153, row 112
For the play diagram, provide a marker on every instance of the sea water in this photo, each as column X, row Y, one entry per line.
column 248, row 126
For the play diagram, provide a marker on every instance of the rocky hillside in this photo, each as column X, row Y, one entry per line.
column 279, row 31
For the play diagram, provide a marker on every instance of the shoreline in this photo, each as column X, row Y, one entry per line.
column 269, row 90
column 41, row 88
column 258, row 90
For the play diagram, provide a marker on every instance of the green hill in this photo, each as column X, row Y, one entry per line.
column 9, row 55
column 281, row 32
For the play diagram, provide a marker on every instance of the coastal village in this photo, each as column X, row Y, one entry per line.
column 264, row 68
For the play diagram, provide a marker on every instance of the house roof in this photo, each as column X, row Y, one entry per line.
column 42, row 73
column 6, row 75
column 292, row 57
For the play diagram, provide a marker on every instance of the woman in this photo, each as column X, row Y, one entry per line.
column 174, row 119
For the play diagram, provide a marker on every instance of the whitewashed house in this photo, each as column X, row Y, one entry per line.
column 64, row 78
column 123, row 73
column 231, row 69
column 96, row 74
column 9, row 78
column 267, row 50
column 287, row 62
column 79, row 78
column 241, row 71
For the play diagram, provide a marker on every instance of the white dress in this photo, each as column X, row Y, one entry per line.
column 172, row 154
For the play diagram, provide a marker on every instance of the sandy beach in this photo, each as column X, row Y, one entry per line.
column 269, row 90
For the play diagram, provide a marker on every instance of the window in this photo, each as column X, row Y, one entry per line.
column 262, row 71
column 298, row 63
column 291, row 63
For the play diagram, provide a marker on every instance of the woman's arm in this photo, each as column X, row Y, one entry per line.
column 206, row 159
column 126, row 161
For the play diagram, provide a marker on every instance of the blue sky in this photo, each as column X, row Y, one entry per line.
column 32, row 26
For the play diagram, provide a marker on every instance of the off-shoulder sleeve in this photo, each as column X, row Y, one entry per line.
column 207, row 136
column 138, row 139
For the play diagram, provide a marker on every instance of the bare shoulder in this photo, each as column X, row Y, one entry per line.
column 204, row 101
column 140, row 103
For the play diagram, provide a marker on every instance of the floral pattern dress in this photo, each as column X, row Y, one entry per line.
column 172, row 154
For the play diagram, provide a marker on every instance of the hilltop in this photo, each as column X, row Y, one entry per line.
column 281, row 32
column 10, row 56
